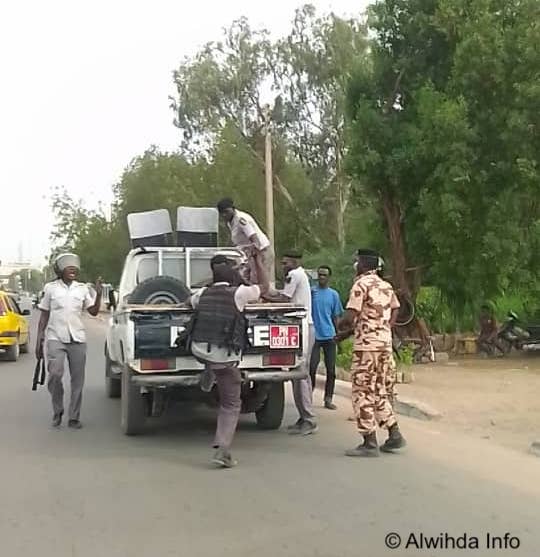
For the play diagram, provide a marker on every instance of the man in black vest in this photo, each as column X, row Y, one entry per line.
column 218, row 339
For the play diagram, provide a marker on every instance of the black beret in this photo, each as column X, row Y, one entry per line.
column 293, row 254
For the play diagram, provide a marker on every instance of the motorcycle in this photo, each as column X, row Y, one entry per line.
column 511, row 334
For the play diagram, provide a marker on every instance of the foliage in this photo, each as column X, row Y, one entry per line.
column 446, row 138
column 227, row 85
column 30, row 280
column 436, row 116
column 405, row 355
column 345, row 354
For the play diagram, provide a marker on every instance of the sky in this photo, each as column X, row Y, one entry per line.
column 84, row 88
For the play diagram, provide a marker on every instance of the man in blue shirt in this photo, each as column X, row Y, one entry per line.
column 326, row 308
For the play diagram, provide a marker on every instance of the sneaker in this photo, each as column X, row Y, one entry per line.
column 223, row 459
column 329, row 405
column 308, row 428
column 295, row 428
column 206, row 380
column 75, row 424
column 57, row 420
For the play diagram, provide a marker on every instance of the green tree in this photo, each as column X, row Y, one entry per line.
column 441, row 135
column 312, row 68
column 226, row 85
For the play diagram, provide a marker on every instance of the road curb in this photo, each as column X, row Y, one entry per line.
column 403, row 405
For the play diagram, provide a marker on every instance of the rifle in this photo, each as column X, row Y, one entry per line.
column 39, row 374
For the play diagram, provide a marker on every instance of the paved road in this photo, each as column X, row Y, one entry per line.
column 97, row 493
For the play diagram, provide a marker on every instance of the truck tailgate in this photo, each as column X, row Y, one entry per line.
column 271, row 327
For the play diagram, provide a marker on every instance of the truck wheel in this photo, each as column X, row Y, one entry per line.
column 270, row 415
column 160, row 291
column 133, row 407
column 12, row 353
column 113, row 385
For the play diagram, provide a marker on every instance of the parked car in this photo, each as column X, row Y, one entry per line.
column 14, row 333
column 25, row 302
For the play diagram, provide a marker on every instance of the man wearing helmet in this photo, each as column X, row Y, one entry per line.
column 371, row 311
column 60, row 325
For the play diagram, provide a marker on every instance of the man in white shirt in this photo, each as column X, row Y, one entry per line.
column 218, row 339
column 60, row 324
column 298, row 291
column 247, row 235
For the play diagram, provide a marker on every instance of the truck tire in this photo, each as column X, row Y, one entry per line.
column 113, row 385
column 160, row 291
column 133, row 407
column 270, row 415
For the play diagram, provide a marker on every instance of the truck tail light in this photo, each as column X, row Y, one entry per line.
column 157, row 364
column 283, row 359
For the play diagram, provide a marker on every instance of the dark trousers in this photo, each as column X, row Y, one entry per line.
column 229, row 383
column 329, row 350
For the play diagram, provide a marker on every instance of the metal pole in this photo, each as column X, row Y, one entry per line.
column 269, row 186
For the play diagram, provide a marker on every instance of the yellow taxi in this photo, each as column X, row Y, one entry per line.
column 14, row 334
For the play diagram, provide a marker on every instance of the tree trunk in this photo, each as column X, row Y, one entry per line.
column 342, row 195
column 406, row 285
column 341, row 207
column 392, row 215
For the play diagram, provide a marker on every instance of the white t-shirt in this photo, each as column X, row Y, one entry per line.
column 297, row 288
column 242, row 227
column 66, row 305
column 219, row 354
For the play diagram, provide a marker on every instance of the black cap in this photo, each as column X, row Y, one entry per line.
column 219, row 259
column 293, row 254
column 367, row 253
column 225, row 203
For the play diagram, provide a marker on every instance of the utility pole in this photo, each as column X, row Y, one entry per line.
column 269, row 183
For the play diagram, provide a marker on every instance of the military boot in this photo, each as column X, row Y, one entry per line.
column 395, row 440
column 369, row 448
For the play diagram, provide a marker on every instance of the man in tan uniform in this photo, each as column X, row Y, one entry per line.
column 247, row 235
column 371, row 309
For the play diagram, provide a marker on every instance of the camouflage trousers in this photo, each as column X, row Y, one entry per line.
column 373, row 379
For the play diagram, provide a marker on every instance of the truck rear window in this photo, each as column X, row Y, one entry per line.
column 175, row 266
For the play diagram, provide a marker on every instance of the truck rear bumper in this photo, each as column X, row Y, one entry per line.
column 170, row 380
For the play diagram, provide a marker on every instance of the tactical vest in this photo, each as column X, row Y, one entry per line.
column 218, row 321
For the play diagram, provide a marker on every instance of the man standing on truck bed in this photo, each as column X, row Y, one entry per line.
column 62, row 306
column 297, row 290
column 247, row 235
column 218, row 339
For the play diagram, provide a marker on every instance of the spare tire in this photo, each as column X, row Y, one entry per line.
column 160, row 291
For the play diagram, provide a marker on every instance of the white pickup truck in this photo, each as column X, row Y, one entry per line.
column 148, row 367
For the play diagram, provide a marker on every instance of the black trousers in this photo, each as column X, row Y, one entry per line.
column 329, row 350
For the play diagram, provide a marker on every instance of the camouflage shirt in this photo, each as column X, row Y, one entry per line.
column 373, row 300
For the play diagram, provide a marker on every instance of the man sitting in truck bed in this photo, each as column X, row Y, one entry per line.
column 218, row 339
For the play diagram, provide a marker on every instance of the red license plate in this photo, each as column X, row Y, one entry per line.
column 284, row 336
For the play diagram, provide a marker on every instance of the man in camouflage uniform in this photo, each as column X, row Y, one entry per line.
column 371, row 309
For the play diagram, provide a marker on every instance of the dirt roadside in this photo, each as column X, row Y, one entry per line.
column 496, row 400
